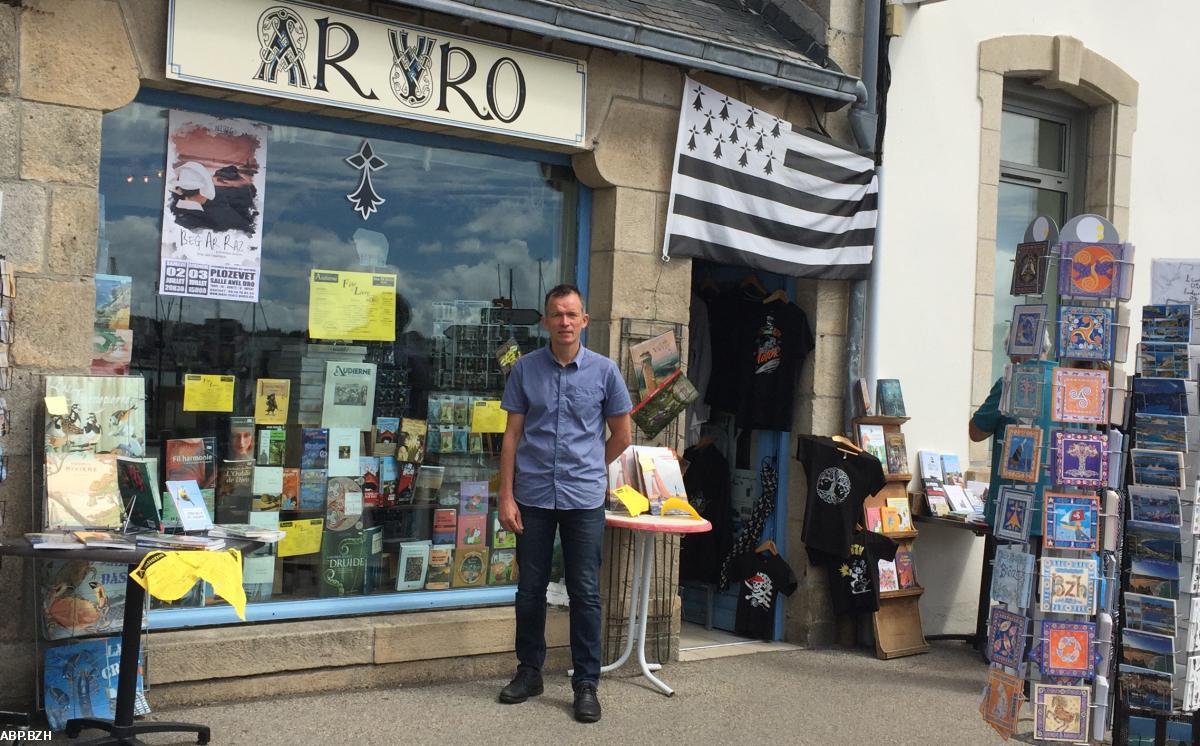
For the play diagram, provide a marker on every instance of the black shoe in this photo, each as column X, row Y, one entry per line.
column 524, row 685
column 587, row 705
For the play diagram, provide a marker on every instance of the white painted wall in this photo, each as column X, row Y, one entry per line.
column 922, row 323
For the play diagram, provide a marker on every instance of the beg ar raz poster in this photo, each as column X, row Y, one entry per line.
column 215, row 179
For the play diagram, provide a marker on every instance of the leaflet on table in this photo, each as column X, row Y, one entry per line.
column 213, row 207
column 357, row 306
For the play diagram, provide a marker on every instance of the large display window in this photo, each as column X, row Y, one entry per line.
column 378, row 449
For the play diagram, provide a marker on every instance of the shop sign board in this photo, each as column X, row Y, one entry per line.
column 307, row 52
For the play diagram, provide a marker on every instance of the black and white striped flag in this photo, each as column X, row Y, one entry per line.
column 749, row 190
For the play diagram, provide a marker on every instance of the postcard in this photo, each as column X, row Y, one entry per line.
column 1006, row 632
column 1024, row 390
column 1067, row 649
column 1162, row 359
column 1026, row 337
column 1146, row 689
column 1151, row 614
column 1085, row 333
column 1163, row 395
column 1148, row 650
column 1157, row 468
column 1061, row 713
column 1080, row 458
column 1163, row 432
column 1014, row 513
column 1068, row 585
column 1193, row 634
column 1080, row 396
column 1071, row 522
column 1029, row 268
column 1022, row 453
column 1153, row 541
column 1167, row 323
column 1182, row 733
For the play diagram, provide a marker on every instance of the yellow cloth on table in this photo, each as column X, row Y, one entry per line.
column 169, row 575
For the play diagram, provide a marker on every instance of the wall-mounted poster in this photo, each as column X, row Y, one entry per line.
column 212, row 209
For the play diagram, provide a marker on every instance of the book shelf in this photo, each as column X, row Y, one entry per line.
column 897, row 624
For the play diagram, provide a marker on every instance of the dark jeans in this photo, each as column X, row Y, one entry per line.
column 582, row 532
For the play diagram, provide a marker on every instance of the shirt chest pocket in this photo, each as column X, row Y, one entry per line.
column 586, row 401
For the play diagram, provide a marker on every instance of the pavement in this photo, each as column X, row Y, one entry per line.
column 818, row 697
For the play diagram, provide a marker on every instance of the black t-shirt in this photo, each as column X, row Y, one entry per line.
column 838, row 483
column 725, row 315
column 759, row 578
column 708, row 489
column 774, row 339
column 854, row 580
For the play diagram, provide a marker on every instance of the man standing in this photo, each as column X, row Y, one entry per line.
column 553, row 475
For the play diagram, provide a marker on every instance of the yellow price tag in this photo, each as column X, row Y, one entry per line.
column 635, row 502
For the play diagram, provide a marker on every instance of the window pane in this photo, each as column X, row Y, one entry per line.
column 1033, row 142
column 1018, row 206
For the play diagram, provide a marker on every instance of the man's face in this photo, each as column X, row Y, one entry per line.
column 564, row 319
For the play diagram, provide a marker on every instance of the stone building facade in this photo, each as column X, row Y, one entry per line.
column 64, row 64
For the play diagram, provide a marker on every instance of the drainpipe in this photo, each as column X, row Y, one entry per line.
column 864, row 119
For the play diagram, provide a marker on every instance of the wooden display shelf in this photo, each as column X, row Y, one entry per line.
column 916, row 590
column 879, row 419
column 898, row 477
column 901, row 535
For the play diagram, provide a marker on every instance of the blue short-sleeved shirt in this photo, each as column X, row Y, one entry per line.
column 560, row 457
column 989, row 419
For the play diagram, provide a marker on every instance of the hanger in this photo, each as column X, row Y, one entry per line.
column 777, row 295
column 845, row 445
column 767, row 546
column 751, row 281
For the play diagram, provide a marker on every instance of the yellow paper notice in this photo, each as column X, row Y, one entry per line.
column 675, row 505
column 56, row 405
column 488, row 417
column 634, row 501
column 351, row 305
column 169, row 575
column 271, row 401
column 301, row 537
column 207, row 393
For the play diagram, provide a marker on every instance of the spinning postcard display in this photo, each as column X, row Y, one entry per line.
column 1057, row 512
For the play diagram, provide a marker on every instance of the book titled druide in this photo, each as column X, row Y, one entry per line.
column 345, row 556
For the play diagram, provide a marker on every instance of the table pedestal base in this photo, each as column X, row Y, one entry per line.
column 639, row 607
column 126, row 735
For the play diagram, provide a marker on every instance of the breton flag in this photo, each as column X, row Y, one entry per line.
column 749, row 190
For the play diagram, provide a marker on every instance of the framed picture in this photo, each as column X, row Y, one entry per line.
column 1068, row 585
column 1080, row 396
column 1002, row 697
column 1026, row 336
column 1024, row 390
column 1067, row 649
column 1022, row 453
column 1006, row 637
column 1157, row 468
column 1014, row 511
column 1095, row 270
column 1080, row 458
column 1061, row 713
column 1085, row 333
column 870, row 439
column 1170, row 322
column 1029, row 268
column 1071, row 522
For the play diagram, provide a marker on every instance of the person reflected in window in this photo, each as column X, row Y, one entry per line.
column 553, row 475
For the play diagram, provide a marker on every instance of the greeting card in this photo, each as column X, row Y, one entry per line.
column 1066, row 649
column 1071, row 522
column 1006, row 637
column 1085, row 333
column 1095, row 270
column 1022, row 453
column 1080, row 395
column 1002, row 697
column 1014, row 509
column 1068, row 585
column 1026, row 336
column 1080, row 458
column 1061, row 713
column 1029, row 268
column 1024, row 390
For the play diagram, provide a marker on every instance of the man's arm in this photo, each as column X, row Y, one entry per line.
column 510, row 514
column 619, row 438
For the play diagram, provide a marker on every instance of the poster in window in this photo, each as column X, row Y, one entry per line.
column 212, row 211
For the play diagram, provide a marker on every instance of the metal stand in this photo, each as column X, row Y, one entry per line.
column 643, row 562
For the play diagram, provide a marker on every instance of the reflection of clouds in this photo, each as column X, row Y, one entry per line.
column 506, row 219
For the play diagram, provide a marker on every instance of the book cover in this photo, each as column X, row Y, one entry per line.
column 472, row 530
column 189, row 505
column 904, row 568
column 343, row 504
column 271, row 397
column 890, row 520
column 1029, row 268
column 268, row 488
column 1085, row 333
column 427, row 483
column 387, row 436
column 389, row 473
column 1068, row 585
column 192, row 459
column 349, row 395
column 1027, row 335
column 931, row 464
column 241, row 439
column 1012, row 576
column 314, row 452
column 888, row 579
column 652, row 361
column 137, row 480
column 871, row 440
column 140, row 705
column 291, row 489
column 73, row 682
column 312, row 489
column 411, row 445
column 470, row 567
column 445, row 521
column 272, row 445
column 501, row 537
column 441, row 568
column 889, row 401
column 258, row 576
column 344, row 445
column 79, row 598
column 293, row 445
column 502, row 567
column 83, row 492
column 874, row 520
column 935, row 497
column 235, row 493
column 344, row 559
column 897, row 453
column 368, row 478
column 405, row 481
column 473, row 498
column 413, row 565
column 95, row 414
column 903, row 511
column 112, row 340
column 663, row 404
column 951, row 470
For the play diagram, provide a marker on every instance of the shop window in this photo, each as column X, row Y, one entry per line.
column 1041, row 170
column 475, row 235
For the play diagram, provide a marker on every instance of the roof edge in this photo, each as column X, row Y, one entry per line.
column 621, row 35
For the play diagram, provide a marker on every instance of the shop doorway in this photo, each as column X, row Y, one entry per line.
column 710, row 612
